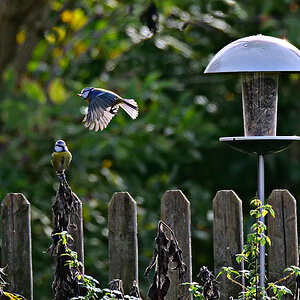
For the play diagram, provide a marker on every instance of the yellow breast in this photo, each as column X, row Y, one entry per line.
column 61, row 160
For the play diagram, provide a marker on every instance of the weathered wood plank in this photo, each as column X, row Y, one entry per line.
column 175, row 212
column 122, row 240
column 282, row 230
column 76, row 229
column 16, row 244
column 228, row 238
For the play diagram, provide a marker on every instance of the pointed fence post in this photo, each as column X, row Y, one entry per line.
column 122, row 240
column 228, row 238
column 16, row 244
column 282, row 230
column 175, row 212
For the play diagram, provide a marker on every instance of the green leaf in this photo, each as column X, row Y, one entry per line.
column 272, row 212
column 33, row 90
column 57, row 92
column 254, row 212
column 255, row 202
column 268, row 240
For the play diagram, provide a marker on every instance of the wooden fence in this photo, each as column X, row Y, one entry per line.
column 175, row 211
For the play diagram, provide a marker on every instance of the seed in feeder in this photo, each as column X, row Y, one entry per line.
column 259, row 105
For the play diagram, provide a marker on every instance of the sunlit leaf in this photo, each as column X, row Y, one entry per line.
column 33, row 90
column 20, row 37
column 79, row 19
column 56, row 5
column 57, row 91
column 80, row 48
column 60, row 31
column 50, row 37
column 178, row 45
column 67, row 16
column 57, row 52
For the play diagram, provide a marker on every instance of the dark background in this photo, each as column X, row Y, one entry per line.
column 50, row 50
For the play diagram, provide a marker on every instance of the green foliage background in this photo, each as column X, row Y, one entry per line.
column 174, row 141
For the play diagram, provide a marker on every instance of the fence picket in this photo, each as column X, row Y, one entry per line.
column 16, row 244
column 175, row 212
column 227, row 238
column 282, row 230
column 122, row 240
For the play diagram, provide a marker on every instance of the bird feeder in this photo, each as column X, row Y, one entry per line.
column 259, row 59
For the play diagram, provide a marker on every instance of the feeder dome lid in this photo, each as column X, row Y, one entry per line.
column 256, row 53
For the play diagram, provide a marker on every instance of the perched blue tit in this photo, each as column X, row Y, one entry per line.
column 61, row 157
column 103, row 106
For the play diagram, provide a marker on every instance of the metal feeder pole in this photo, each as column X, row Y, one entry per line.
column 267, row 57
column 261, row 197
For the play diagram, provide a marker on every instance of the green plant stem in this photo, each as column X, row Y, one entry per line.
column 241, row 285
column 256, row 266
column 238, row 283
column 282, row 279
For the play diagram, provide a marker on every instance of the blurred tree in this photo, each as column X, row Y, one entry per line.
column 154, row 52
column 16, row 18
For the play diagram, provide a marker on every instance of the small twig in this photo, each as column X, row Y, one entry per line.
column 241, row 285
column 282, row 279
column 238, row 283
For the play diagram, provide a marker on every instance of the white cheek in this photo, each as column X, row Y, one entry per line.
column 57, row 149
column 85, row 95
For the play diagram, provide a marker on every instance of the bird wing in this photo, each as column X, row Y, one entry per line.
column 99, row 110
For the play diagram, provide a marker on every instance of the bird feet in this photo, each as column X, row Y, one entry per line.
column 61, row 176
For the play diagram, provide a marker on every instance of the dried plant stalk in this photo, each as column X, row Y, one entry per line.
column 66, row 284
column 166, row 251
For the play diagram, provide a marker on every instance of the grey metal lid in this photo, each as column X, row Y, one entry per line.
column 257, row 53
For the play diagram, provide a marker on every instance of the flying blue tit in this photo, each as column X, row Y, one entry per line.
column 103, row 106
column 61, row 157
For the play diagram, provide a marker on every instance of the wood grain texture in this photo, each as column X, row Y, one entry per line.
column 76, row 229
column 122, row 240
column 175, row 212
column 228, row 238
column 16, row 244
column 282, row 230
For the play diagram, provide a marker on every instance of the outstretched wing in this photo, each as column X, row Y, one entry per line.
column 101, row 110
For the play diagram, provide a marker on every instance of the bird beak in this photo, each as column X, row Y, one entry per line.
column 80, row 95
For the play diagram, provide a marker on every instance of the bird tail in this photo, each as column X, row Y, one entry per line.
column 131, row 107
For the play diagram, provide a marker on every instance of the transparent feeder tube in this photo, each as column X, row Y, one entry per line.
column 260, row 98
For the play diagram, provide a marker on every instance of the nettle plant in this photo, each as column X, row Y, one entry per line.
column 87, row 284
column 250, row 256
